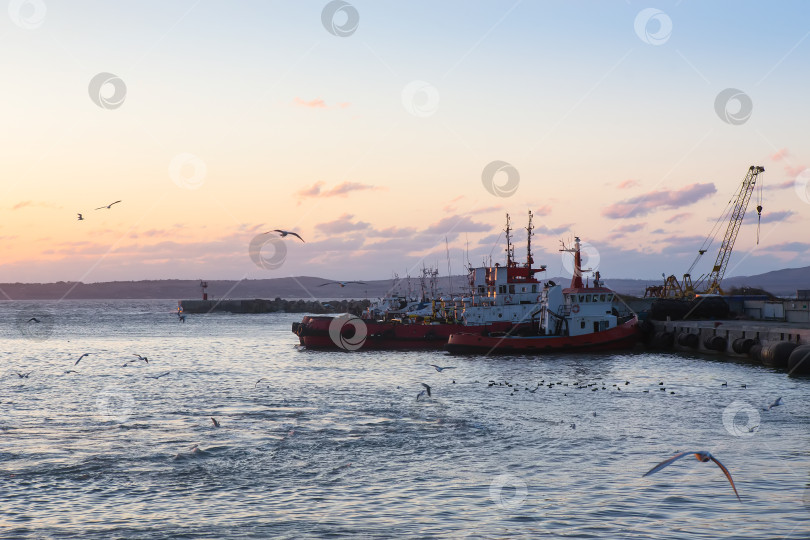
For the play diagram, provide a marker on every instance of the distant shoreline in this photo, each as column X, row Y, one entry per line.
column 779, row 282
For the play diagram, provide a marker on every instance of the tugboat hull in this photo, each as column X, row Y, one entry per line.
column 623, row 336
column 313, row 333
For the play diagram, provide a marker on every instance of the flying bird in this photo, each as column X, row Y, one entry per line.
column 33, row 319
column 214, row 420
column 158, row 376
column 702, row 456
column 80, row 358
column 341, row 283
column 423, row 392
column 80, row 218
column 107, row 207
column 260, row 380
column 145, row 359
column 24, row 375
column 440, row 369
column 285, row 233
column 774, row 404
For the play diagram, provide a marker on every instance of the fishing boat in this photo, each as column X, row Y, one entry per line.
column 581, row 317
column 499, row 299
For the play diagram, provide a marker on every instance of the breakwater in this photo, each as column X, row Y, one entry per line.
column 278, row 305
column 780, row 345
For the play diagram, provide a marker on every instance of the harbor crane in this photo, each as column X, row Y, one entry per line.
column 710, row 283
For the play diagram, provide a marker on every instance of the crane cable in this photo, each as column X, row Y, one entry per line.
column 714, row 232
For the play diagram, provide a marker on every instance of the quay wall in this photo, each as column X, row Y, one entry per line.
column 278, row 305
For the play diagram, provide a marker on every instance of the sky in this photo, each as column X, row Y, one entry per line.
column 389, row 135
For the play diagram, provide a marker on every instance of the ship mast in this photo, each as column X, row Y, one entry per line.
column 529, row 258
column 576, row 279
column 510, row 249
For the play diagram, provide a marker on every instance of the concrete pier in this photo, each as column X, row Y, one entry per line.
column 278, row 305
column 766, row 333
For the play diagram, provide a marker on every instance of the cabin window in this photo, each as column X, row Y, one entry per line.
column 481, row 289
column 511, row 289
column 502, row 289
column 534, row 288
column 610, row 298
column 582, row 324
column 587, row 297
column 523, row 289
column 601, row 297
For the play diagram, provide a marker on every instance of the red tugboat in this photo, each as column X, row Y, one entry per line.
column 502, row 299
column 579, row 318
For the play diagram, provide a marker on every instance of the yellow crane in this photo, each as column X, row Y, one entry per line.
column 710, row 283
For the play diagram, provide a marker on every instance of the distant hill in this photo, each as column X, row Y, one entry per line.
column 779, row 282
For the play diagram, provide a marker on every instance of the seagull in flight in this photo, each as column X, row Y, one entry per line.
column 145, row 359
column 703, row 456
column 775, row 404
column 341, row 283
column 107, row 207
column 214, row 420
column 80, row 218
column 260, row 380
column 423, row 392
column 80, row 358
column 158, row 376
column 285, row 233
column 24, row 375
column 440, row 369
column 33, row 319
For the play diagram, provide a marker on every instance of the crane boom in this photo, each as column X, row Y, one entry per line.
column 735, row 221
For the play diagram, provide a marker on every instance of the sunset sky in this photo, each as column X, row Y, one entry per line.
column 219, row 121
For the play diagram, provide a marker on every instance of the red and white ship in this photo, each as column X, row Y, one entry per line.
column 577, row 318
column 502, row 299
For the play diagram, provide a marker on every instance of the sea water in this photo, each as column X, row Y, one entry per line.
column 331, row 444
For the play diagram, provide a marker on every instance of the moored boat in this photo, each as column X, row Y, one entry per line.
column 577, row 318
column 500, row 299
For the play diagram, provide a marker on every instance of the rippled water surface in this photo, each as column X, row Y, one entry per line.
column 334, row 444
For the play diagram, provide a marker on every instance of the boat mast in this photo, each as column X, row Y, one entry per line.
column 576, row 279
column 510, row 249
column 529, row 258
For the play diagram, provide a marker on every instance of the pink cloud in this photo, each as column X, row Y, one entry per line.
column 787, row 184
column 770, row 217
column 630, row 227
column 793, row 172
column 627, row 184
column 543, row 211
column 318, row 103
column 311, row 191
column 342, row 224
column 341, row 190
column 678, row 217
column 457, row 224
column 779, row 155
column 658, row 200
column 312, row 104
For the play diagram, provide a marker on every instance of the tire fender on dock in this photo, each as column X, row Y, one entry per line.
column 742, row 345
column 715, row 343
column 755, row 352
column 799, row 360
column 777, row 354
column 686, row 339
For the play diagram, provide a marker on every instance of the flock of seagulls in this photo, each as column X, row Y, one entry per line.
column 80, row 217
column 701, row 455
